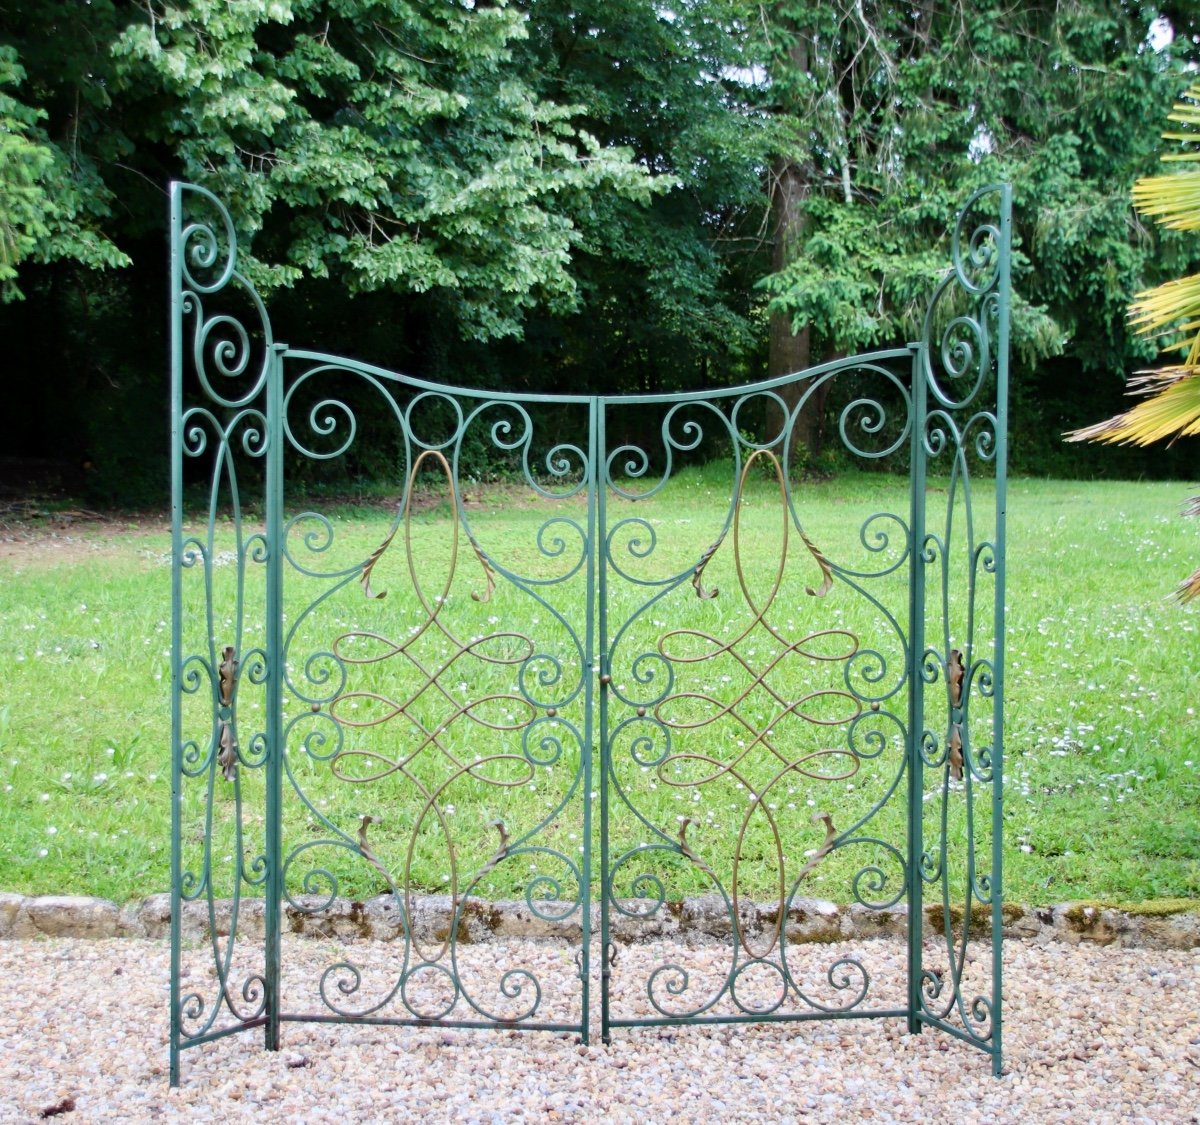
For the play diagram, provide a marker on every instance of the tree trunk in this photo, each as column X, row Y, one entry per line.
column 790, row 350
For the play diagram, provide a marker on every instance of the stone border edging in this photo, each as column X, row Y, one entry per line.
column 1171, row 925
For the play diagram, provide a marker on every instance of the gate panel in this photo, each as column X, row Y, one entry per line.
column 437, row 695
column 222, row 357
column 754, row 707
column 959, row 488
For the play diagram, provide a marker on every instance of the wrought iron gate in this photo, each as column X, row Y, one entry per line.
column 655, row 672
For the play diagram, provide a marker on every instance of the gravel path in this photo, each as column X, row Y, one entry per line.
column 1092, row 1035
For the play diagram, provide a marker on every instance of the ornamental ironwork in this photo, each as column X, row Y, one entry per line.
column 657, row 693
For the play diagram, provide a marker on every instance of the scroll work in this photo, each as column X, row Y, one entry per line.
column 220, row 665
column 448, row 710
column 719, row 717
column 416, row 714
column 964, row 365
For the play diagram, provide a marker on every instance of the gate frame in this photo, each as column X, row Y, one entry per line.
column 986, row 249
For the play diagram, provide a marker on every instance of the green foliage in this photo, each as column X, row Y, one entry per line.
column 547, row 195
column 667, row 287
column 897, row 114
column 48, row 203
column 386, row 145
column 23, row 162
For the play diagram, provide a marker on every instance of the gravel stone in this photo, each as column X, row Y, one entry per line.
column 1095, row 1033
column 10, row 906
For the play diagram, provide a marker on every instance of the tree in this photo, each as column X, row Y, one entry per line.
column 53, row 203
column 391, row 144
column 669, row 300
column 895, row 113
column 367, row 147
column 543, row 194
column 1170, row 406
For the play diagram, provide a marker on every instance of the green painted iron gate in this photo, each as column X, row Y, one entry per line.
column 643, row 693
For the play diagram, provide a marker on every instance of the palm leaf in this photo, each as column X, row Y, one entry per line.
column 1173, row 200
column 1170, row 410
column 1186, row 112
column 1163, row 307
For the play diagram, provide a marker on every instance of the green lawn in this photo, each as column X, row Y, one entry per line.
column 1102, row 744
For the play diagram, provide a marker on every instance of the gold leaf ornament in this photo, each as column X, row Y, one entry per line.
column 227, row 756
column 955, row 673
column 227, row 675
column 954, row 755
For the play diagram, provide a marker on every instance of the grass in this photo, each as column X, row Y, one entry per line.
column 1102, row 751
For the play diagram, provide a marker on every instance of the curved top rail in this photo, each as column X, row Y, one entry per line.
column 353, row 366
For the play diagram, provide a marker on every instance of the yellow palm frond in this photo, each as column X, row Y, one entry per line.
column 1187, row 111
column 1165, row 306
column 1171, row 409
column 1173, row 200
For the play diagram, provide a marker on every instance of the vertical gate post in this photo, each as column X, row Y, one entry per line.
column 1004, row 295
column 916, row 686
column 275, row 661
column 600, row 568
column 176, row 222
column 595, row 485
